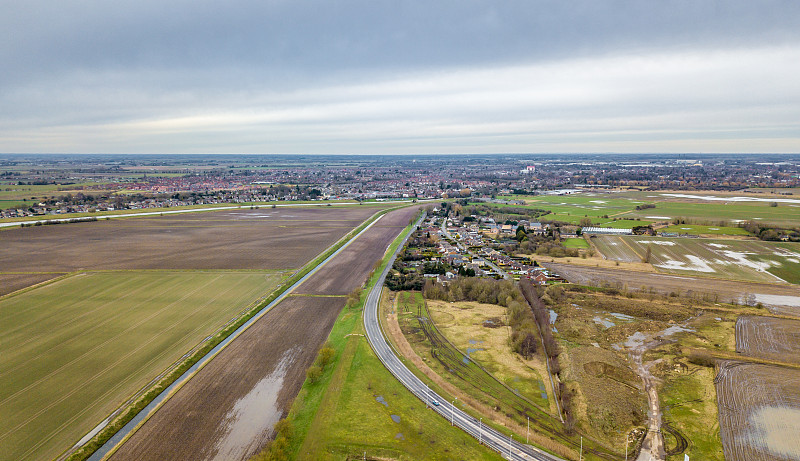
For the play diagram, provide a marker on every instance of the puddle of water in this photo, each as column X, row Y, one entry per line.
column 619, row 316
column 605, row 323
column 253, row 416
column 399, row 436
column 544, row 395
column 780, row 300
column 553, row 316
column 635, row 340
column 382, row 400
column 541, row 385
column 775, row 429
column 475, row 341
column 395, row 418
column 470, row 350
column 674, row 329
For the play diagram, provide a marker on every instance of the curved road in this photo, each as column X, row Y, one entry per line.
column 502, row 443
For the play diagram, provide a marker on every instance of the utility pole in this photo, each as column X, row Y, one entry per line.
column 528, row 430
column 627, row 440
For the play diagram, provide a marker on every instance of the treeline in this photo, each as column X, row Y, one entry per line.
column 771, row 233
column 551, row 349
column 482, row 290
column 50, row 222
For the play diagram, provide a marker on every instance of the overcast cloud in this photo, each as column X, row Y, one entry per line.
column 400, row 77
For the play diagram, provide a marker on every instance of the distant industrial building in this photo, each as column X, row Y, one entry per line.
column 606, row 231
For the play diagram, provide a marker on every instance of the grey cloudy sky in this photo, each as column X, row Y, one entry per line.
column 375, row 76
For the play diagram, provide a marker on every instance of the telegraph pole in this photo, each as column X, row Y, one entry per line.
column 528, row 431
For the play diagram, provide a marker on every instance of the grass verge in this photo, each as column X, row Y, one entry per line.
column 341, row 415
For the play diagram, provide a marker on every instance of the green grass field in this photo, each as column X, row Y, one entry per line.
column 574, row 207
column 576, row 243
column 694, row 229
column 76, row 349
column 716, row 214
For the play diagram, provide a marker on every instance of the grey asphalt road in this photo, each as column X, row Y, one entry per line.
column 502, row 443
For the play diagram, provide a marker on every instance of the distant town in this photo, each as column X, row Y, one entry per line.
column 32, row 185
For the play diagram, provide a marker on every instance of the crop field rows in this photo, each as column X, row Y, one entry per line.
column 752, row 260
column 263, row 368
column 73, row 348
column 768, row 337
column 281, row 238
column 140, row 293
column 759, row 411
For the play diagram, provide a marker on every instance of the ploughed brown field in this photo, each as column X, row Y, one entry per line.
column 10, row 283
column 265, row 238
column 227, row 410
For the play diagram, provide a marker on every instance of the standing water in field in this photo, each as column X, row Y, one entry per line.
column 247, row 420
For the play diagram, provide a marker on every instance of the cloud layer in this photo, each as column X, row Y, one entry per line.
column 400, row 77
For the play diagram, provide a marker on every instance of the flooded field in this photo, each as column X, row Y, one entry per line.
column 759, row 411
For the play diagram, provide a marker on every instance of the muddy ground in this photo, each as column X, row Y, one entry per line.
column 265, row 238
column 727, row 290
column 200, row 420
column 263, row 369
column 349, row 269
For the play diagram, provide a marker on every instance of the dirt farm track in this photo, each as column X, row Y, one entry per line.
column 228, row 409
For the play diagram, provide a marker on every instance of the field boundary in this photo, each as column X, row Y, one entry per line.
column 191, row 362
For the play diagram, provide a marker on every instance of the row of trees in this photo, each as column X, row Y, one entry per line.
column 482, row 290
column 551, row 349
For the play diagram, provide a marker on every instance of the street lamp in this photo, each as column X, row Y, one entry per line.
column 453, row 412
column 510, row 436
column 480, row 432
column 528, row 430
